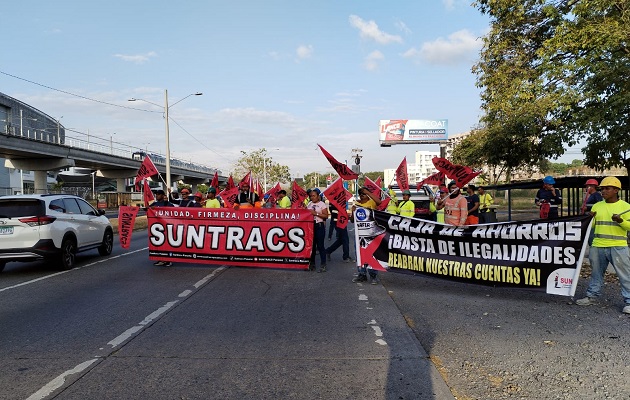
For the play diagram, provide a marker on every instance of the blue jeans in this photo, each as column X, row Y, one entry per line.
column 619, row 257
column 343, row 241
column 319, row 237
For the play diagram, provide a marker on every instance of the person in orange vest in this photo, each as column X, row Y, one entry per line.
column 245, row 198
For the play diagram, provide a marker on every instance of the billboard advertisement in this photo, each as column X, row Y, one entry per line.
column 408, row 131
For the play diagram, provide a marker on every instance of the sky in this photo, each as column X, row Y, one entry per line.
column 279, row 75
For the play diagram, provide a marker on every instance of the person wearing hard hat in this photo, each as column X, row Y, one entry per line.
column 406, row 208
column 591, row 195
column 548, row 198
column 610, row 245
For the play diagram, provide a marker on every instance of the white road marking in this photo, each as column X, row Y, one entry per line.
column 60, row 380
column 185, row 293
column 65, row 272
column 381, row 342
column 363, row 297
column 377, row 331
column 129, row 333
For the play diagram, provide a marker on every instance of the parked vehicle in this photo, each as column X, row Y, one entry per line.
column 420, row 198
column 52, row 227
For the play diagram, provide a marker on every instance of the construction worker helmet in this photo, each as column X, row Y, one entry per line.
column 611, row 181
column 549, row 180
column 591, row 182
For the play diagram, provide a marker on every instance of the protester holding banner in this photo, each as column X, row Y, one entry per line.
column 591, row 195
column 548, row 198
column 185, row 201
column 455, row 206
column 283, row 200
column 472, row 202
column 160, row 200
column 245, row 198
column 319, row 210
column 211, row 200
column 366, row 200
column 198, row 200
column 485, row 202
column 342, row 239
column 610, row 245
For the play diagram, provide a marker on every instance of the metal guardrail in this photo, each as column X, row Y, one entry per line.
column 111, row 148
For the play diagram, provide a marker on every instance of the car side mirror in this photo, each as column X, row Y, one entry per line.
column 101, row 211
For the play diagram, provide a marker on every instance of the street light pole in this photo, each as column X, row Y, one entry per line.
column 168, row 143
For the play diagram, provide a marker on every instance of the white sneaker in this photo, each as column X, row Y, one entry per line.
column 586, row 301
column 626, row 309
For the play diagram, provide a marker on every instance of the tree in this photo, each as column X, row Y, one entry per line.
column 374, row 175
column 553, row 73
column 261, row 166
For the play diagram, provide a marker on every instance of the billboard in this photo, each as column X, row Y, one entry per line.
column 412, row 131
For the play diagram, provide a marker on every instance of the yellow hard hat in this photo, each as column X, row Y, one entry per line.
column 611, row 181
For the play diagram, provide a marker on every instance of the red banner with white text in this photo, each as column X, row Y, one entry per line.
column 248, row 238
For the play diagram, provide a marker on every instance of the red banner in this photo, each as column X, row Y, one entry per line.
column 298, row 195
column 215, row 181
column 248, row 238
column 247, row 180
column 372, row 187
column 459, row 173
column 126, row 220
column 379, row 182
column 148, row 194
column 402, row 179
column 436, row 179
column 338, row 196
column 341, row 168
column 147, row 169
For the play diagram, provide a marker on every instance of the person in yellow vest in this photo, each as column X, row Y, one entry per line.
column 485, row 202
column 283, row 200
column 392, row 206
column 406, row 208
column 610, row 244
column 211, row 199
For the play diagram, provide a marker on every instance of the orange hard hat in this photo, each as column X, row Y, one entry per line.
column 591, row 182
column 199, row 194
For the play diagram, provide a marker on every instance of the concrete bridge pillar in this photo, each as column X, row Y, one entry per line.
column 40, row 182
column 120, row 185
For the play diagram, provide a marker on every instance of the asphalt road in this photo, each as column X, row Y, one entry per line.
column 119, row 328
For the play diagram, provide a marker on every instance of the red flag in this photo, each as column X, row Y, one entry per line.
column 402, row 179
column 379, row 182
column 230, row 183
column 229, row 196
column 384, row 204
column 436, row 179
column 215, row 181
column 341, row 169
column 247, row 180
column 338, row 196
column 367, row 253
column 273, row 193
column 372, row 187
column 298, row 195
column 147, row 169
column 126, row 220
column 148, row 194
column 459, row 173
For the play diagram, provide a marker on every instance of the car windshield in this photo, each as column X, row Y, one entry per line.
column 12, row 208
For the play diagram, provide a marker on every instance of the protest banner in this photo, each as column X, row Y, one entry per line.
column 540, row 254
column 298, row 195
column 402, row 179
column 147, row 194
column 126, row 221
column 249, row 237
column 338, row 196
column 461, row 174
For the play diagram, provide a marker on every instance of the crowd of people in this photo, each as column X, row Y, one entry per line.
column 608, row 238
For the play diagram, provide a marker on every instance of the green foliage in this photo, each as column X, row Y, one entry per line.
column 554, row 73
column 374, row 175
column 262, row 166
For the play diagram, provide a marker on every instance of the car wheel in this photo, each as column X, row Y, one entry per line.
column 68, row 254
column 2, row 264
column 106, row 247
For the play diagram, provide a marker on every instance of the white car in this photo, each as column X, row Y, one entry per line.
column 53, row 227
